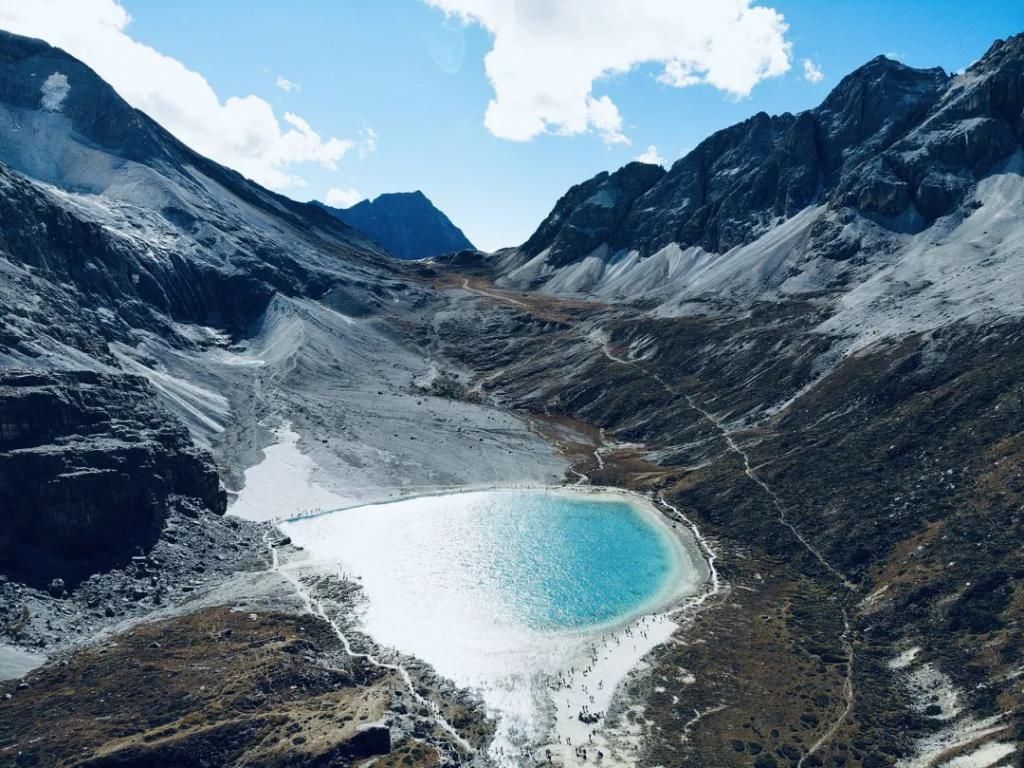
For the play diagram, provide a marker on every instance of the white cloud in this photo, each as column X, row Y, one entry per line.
column 547, row 55
column 367, row 141
column 287, row 85
column 812, row 72
column 342, row 198
column 240, row 132
column 54, row 90
column 651, row 155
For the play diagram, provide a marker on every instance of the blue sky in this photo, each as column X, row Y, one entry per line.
column 418, row 81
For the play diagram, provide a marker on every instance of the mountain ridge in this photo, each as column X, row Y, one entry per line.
column 835, row 404
column 890, row 152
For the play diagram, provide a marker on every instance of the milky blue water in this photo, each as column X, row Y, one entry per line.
column 566, row 562
column 538, row 560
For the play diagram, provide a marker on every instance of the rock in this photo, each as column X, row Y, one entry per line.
column 56, row 587
column 591, row 213
column 91, row 464
column 899, row 145
column 369, row 740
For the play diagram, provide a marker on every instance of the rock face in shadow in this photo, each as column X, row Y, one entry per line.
column 90, row 466
column 591, row 213
column 407, row 224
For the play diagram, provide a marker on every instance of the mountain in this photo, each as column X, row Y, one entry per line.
column 407, row 224
column 802, row 342
column 881, row 183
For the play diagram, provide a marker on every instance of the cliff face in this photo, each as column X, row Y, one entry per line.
column 592, row 213
column 90, row 467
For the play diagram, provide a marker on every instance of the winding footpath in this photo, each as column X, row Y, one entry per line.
column 480, row 292
column 776, row 502
column 748, row 469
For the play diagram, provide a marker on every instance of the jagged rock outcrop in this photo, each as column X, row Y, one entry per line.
column 407, row 224
column 90, row 466
column 591, row 213
column 977, row 121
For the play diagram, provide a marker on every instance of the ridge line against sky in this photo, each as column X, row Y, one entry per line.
column 492, row 107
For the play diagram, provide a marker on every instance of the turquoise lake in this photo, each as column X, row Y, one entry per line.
column 565, row 562
column 530, row 562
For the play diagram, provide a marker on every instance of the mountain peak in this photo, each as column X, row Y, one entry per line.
column 416, row 196
column 407, row 224
column 591, row 211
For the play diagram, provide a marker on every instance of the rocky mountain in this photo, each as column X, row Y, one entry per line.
column 406, row 224
column 90, row 466
column 894, row 164
column 137, row 224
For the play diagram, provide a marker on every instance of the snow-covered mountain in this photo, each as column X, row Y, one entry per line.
column 139, row 229
column 407, row 224
column 897, row 200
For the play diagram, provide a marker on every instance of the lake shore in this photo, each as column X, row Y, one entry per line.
column 561, row 707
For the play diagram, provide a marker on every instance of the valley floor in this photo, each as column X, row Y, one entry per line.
column 838, row 631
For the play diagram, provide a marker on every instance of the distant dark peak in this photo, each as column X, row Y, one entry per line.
column 407, row 224
column 415, row 196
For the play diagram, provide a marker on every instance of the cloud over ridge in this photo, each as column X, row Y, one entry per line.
column 548, row 55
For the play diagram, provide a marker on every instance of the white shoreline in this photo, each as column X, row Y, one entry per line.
column 622, row 651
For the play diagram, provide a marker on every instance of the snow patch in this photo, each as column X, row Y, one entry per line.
column 963, row 741
column 282, row 486
column 983, row 757
column 905, row 659
column 54, row 90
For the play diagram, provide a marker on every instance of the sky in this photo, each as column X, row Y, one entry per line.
column 493, row 108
